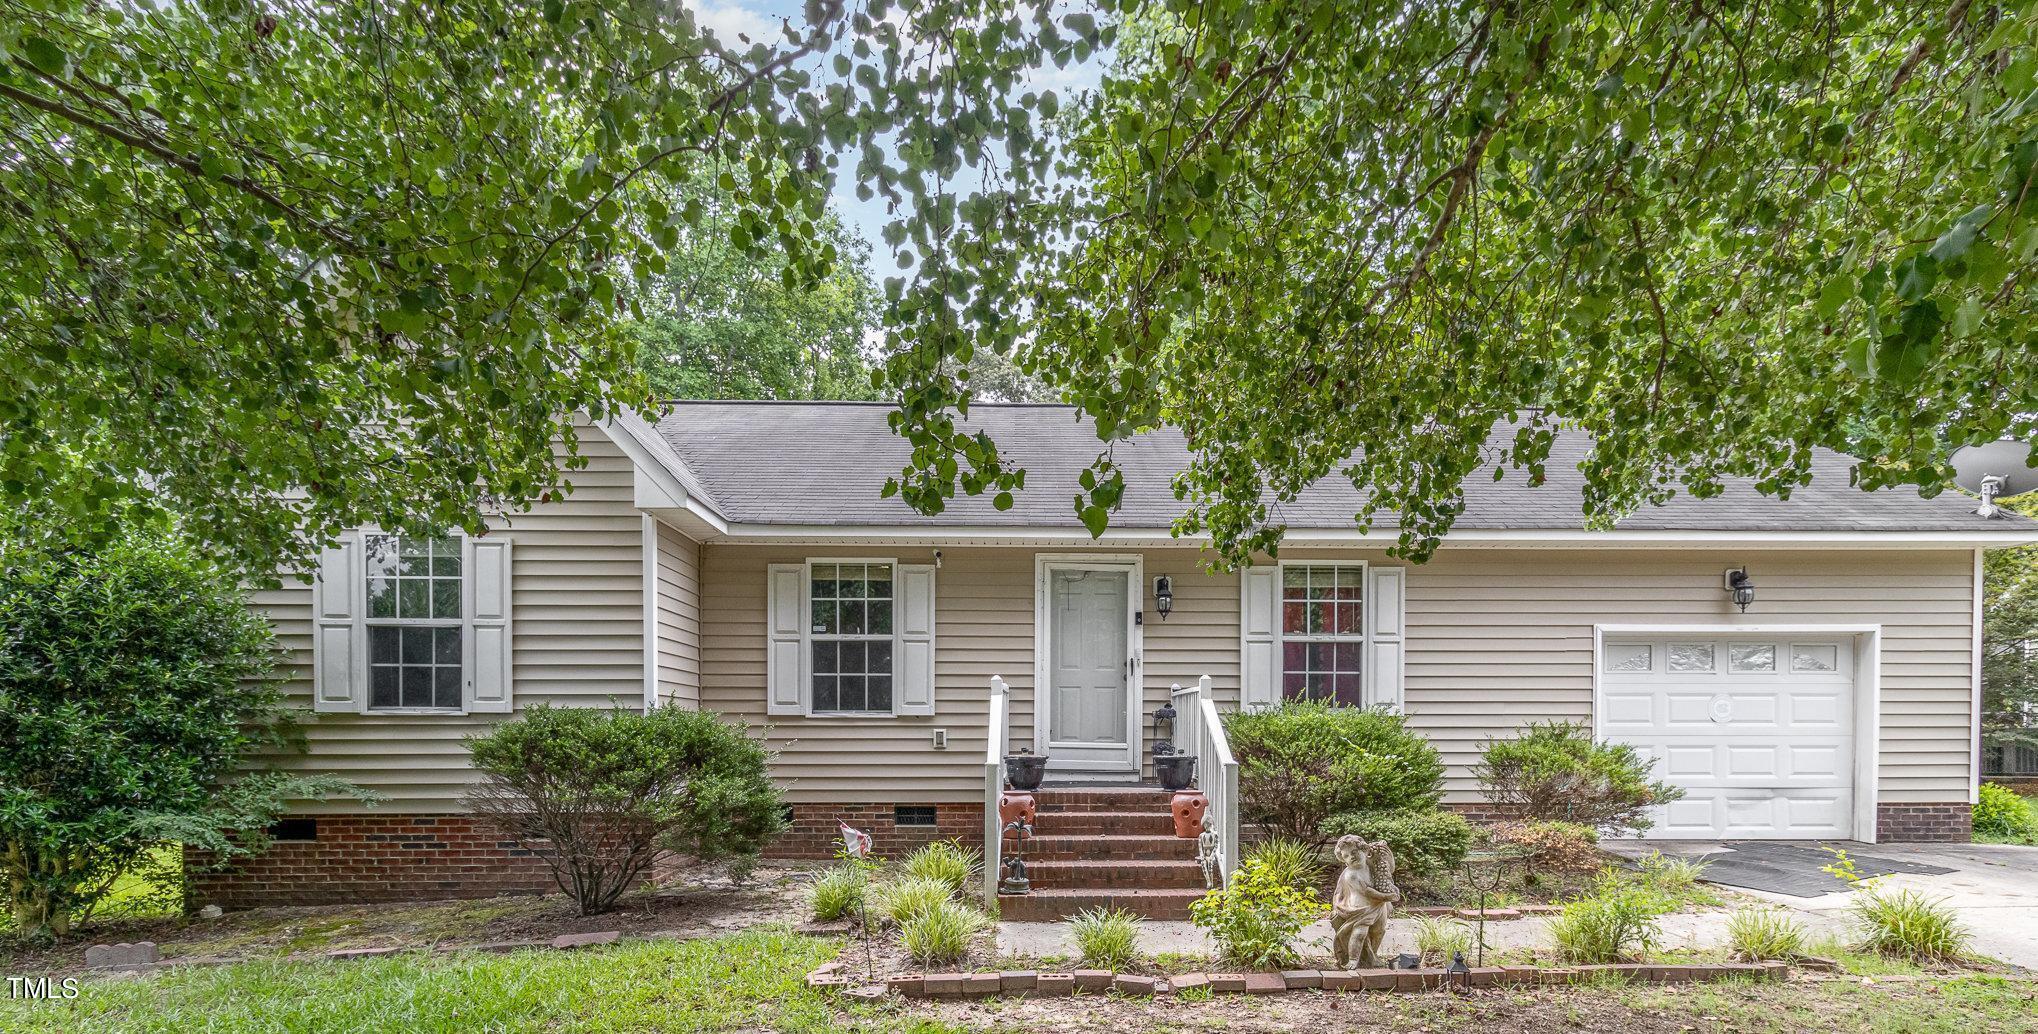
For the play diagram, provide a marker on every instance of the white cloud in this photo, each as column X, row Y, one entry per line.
column 732, row 20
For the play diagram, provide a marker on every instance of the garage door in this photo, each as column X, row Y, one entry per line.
column 1758, row 732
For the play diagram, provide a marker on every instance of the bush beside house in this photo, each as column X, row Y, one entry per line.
column 1302, row 763
column 1555, row 771
column 601, row 794
column 136, row 686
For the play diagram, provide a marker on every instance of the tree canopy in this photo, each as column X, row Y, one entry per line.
column 286, row 268
column 1343, row 239
column 292, row 267
column 721, row 323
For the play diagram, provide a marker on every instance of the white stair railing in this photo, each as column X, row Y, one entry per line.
column 994, row 784
column 1216, row 769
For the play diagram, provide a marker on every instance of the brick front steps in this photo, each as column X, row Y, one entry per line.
column 1097, row 981
column 1105, row 847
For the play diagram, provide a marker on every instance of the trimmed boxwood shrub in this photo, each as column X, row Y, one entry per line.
column 1555, row 770
column 600, row 794
column 1301, row 763
column 1425, row 843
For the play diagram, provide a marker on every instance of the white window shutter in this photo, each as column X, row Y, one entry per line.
column 339, row 641
column 1386, row 618
column 785, row 652
column 913, row 672
column 1259, row 659
column 490, row 671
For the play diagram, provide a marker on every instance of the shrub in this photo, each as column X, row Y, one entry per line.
column 1296, row 864
column 1300, row 763
column 1757, row 934
column 1438, row 938
column 1617, row 921
column 1564, row 850
column 1256, row 918
column 1108, row 938
column 137, row 697
column 1907, row 924
column 1425, row 843
column 1554, row 770
column 942, row 933
column 1999, row 814
column 900, row 901
column 837, row 894
column 608, row 791
column 947, row 861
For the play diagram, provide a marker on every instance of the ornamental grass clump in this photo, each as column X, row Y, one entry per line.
column 838, row 894
column 947, row 861
column 1617, row 922
column 1293, row 863
column 1907, row 924
column 1759, row 934
column 1107, row 937
column 1439, row 938
column 942, row 932
column 1255, row 919
column 902, row 900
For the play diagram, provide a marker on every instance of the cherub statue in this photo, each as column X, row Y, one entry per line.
column 1362, row 902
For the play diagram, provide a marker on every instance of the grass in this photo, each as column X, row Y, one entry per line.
column 1437, row 938
column 1107, row 937
column 947, row 861
column 901, row 901
column 1764, row 933
column 752, row 980
column 942, row 933
column 838, row 893
column 1909, row 924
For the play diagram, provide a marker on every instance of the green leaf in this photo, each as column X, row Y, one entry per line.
column 46, row 56
column 1903, row 355
column 1096, row 519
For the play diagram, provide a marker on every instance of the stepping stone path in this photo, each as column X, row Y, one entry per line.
column 138, row 957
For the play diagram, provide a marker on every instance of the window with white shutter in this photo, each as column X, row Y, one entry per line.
column 850, row 637
column 413, row 625
column 1321, row 630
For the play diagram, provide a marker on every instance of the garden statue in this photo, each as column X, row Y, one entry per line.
column 1362, row 902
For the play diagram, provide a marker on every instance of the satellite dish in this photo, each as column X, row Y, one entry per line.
column 1995, row 471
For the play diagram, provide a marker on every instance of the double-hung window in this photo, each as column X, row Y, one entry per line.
column 1323, row 632
column 415, row 596
column 850, row 637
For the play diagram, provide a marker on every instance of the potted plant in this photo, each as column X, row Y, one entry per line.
column 1024, row 770
column 1175, row 771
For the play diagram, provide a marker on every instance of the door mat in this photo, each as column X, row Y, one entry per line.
column 1797, row 869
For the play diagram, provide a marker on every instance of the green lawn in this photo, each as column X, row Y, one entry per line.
column 746, row 981
column 754, row 982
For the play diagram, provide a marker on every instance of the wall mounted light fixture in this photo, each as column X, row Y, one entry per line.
column 1164, row 595
column 1741, row 588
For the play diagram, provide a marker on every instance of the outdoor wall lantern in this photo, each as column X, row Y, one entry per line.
column 1164, row 595
column 1741, row 588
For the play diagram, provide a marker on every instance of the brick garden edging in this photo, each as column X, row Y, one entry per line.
column 1098, row 981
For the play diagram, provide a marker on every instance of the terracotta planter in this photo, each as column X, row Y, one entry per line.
column 1188, row 807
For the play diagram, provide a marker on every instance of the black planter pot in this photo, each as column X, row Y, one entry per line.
column 1175, row 771
column 1025, row 771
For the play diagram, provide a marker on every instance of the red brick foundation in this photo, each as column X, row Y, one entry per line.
column 364, row 858
column 1924, row 823
column 813, row 833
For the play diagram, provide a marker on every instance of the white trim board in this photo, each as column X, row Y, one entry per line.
column 1867, row 693
column 956, row 535
column 1134, row 567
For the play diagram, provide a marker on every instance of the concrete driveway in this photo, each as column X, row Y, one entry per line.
column 1994, row 887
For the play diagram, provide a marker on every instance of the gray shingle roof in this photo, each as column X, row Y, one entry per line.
column 823, row 463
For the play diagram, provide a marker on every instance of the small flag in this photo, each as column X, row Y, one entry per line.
column 854, row 841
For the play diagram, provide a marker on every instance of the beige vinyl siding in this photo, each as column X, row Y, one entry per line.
column 983, row 618
column 679, row 618
column 577, row 625
column 1496, row 638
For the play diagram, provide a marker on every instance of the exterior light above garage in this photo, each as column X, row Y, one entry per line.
column 1741, row 587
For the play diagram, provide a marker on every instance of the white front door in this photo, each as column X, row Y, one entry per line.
column 1758, row 731
column 1085, row 697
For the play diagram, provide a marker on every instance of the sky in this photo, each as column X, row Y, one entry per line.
column 761, row 19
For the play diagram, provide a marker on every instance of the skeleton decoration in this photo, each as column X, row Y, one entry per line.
column 1362, row 902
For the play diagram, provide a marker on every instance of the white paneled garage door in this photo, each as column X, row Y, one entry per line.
column 1759, row 732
